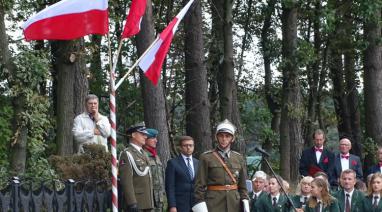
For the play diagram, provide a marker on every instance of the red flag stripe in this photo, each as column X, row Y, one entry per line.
column 133, row 20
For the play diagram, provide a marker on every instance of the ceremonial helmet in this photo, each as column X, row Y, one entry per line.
column 227, row 127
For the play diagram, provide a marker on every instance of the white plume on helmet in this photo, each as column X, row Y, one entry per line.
column 226, row 126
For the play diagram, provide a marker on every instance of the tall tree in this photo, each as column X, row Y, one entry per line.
column 197, row 104
column 291, row 141
column 373, row 76
column 72, row 88
column 153, row 96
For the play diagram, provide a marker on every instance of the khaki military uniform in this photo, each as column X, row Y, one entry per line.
column 214, row 186
column 157, row 173
column 136, row 189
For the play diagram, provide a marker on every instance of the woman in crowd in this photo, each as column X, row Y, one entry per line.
column 303, row 192
column 373, row 201
column 320, row 199
column 275, row 201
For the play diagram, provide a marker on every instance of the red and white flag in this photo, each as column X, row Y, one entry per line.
column 152, row 60
column 134, row 19
column 68, row 20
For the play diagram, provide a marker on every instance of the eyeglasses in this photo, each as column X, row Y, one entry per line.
column 187, row 145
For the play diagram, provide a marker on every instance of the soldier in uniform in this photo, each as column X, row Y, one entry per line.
column 220, row 182
column 134, row 172
column 156, row 167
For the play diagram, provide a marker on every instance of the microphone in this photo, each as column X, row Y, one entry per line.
column 263, row 152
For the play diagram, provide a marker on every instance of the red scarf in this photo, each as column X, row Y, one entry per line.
column 152, row 150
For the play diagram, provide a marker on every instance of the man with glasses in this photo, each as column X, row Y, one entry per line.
column 180, row 175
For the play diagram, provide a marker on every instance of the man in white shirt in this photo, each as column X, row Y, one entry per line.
column 91, row 127
column 258, row 184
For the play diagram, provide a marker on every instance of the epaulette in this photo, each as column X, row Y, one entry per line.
column 235, row 152
column 207, row 152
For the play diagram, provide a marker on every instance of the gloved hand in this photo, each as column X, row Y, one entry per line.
column 132, row 208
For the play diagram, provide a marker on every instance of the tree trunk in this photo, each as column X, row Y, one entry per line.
column 197, row 104
column 97, row 75
column 18, row 146
column 373, row 81
column 291, row 141
column 72, row 88
column 153, row 96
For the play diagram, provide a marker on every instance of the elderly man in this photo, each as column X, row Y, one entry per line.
column 344, row 160
column 91, row 127
column 157, row 170
column 220, row 184
column 134, row 172
column 258, row 184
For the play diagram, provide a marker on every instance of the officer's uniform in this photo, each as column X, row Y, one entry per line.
column 157, row 173
column 136, row 179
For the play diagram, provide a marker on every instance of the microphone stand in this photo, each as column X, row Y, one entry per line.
column 264, row 157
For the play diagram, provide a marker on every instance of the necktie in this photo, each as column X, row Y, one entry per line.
column 255, row 197
column 347, row 203
column 274, row 201
column 318, row 207
column 345, row 157
column 375, row 203
column 305, row 200
column 190, row 168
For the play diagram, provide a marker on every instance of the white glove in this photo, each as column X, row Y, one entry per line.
column 202, row 207
column 245, row 205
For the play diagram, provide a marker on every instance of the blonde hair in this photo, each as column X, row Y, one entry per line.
column 326, row 198
column 306, row 179
column 370, row 187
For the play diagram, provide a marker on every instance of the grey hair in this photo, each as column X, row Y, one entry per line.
column 91, row 96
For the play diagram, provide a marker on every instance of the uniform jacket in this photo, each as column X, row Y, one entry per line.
column 368, row 205
column 297, row 201
column 265, row 204
column 157, row 174
column 326, row 163
column 179, row 185
column 136, row 189
column 357, row 200
column 333, row 207
column 262, row 195
column 211, row 172
column 354, row 164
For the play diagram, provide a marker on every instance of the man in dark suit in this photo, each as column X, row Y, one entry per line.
column 378, row 167
column 318, row 158
column 349, row 198
column 180, row 175
column 344, row 160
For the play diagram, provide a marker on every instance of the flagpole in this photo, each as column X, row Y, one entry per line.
column 113, row 137
column 135, row 64
column 115, row 60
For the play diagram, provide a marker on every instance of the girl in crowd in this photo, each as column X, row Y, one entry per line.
column 275, row 201
column 373, row 201
column 321, row 200
column 303, row 192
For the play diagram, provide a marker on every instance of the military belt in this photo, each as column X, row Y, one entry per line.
column 222, row 187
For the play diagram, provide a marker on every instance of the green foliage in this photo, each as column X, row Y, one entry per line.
column 94, row 164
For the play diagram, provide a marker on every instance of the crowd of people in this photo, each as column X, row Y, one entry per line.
column 218, row 180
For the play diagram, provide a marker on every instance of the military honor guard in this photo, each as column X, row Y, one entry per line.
column 134, row 172
column 220, row 184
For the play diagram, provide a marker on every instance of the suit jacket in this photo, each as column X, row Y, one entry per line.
column 368, row 204
column 265, row 204
column 308, row 160
column 357, row 200
column 354, row 164
column 253, row 203
column 179, row 185
column 333, row 207
column 297, row 201
column 373, row 169
column 136, row 189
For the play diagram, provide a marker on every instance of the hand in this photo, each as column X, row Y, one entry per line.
column 96, row 116
column 173, row 209
column 96, row 131
column 299, row 210
column 132, row 208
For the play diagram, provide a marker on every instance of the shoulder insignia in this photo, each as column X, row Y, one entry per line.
column 207, row 152
column 237, row 153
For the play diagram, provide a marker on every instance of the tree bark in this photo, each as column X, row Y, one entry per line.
column 197, row 104
column 72, row 88
column 153, row 95
column 291, row 141
column 373, row 80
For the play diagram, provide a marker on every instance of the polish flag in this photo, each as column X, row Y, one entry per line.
column 68, row 20
column 134, row 19
column 152, row 60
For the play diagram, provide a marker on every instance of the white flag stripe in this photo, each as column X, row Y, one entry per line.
column 67, row 7
column 149, row 57
column 181, row 14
